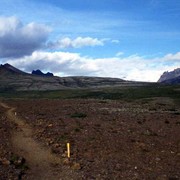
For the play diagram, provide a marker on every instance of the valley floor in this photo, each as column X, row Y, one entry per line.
column 110, row 139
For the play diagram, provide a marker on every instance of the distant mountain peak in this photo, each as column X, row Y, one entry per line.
column 9, row 68
column 170, row 76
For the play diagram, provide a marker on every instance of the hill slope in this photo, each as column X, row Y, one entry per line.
column 12, row 78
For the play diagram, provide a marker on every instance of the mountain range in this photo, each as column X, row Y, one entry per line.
column 13, row 79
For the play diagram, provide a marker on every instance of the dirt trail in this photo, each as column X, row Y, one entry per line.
column 43, row 164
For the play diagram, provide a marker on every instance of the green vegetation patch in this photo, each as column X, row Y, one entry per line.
column 112, row 93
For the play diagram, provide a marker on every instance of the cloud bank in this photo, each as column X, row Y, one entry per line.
column 17, row 39
column 75, row 43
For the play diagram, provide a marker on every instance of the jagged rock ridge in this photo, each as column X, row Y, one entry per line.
column 40, row 73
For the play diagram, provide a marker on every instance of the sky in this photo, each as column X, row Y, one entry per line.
column 129, row 39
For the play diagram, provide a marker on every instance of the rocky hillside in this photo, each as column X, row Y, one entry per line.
column 12, row 78
column 172, row 81
column 172, row 77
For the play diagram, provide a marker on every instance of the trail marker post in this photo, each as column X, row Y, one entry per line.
column 68, row 150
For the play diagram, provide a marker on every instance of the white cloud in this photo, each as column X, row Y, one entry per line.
column 119, row 53
column 115, row 41
column 73, row 64
column 172, row 57
column 8, row 25
column 75, row 43
column 61, row 63
column 17, row 40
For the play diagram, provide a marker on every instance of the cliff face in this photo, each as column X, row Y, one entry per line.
column 168, row 76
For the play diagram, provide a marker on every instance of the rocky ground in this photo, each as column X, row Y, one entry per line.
column 109, row 139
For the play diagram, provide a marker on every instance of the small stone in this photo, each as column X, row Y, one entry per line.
column 66, row 161
column 5, row 162
column 50, row 125
column 56, row 145
column 51, row 142
column 48, row 139
column 149, row 133
column 76, row 166
column 158, row 159
column 20, row 161
column 141, row 145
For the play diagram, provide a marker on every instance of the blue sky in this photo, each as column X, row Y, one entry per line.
column 134, row 40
